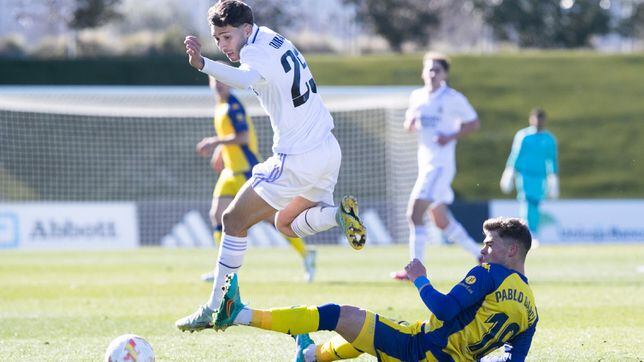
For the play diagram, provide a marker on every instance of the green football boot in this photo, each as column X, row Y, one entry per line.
column 347, row 218
column 201, row 319
column 230, row 306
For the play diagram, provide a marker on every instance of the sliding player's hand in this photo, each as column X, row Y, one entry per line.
column 415, row 269
column 193, row 49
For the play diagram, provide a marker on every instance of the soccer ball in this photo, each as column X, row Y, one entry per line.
column 129, row 348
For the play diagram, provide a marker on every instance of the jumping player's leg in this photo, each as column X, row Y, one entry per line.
column 246, row 210
column 311, row 177
column 227, row 186
column 219, row 204
column 308, row 255
column 303, row 217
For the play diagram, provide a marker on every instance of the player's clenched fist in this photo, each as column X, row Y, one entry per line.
column 193, row 49
column 415, row 269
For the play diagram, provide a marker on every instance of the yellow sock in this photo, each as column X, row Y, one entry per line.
column 216, row 235
column 335, row 349
column 299, row 245
column 294, row 320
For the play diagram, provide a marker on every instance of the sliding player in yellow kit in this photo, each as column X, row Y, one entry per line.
column 492, row 306
column 235, row 151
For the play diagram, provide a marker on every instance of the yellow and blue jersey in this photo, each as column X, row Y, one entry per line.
column 230, row 118
column 491, row 307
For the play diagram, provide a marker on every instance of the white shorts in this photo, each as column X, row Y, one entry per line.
column 434, row 185
column 312, row 175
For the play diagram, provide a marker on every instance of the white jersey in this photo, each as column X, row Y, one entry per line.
column 438, row 113
column 288, row 93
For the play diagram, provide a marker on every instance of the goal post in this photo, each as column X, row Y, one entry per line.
column 137, row 144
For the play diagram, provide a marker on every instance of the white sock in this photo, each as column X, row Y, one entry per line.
column 244, row 317
column 309, row 353
column 314, row 220
column 457, row 234
column 230, row 259
column 417, row 240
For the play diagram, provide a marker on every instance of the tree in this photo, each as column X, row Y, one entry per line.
column 93, row 13
column 633, row 25
column 397, row 21
column 276, row 14
column 546, row 23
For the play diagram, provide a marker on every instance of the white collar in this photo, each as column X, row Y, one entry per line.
column 253, row 34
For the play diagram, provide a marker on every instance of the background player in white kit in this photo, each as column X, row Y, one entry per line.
column 298, row 180
column 441, row 115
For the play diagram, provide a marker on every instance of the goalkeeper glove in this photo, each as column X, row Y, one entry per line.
column 553, row 186
column 507, row 182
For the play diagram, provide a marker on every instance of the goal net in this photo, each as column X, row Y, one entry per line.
column 137, row 145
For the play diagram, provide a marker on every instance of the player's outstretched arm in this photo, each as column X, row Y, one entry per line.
column 444, row 307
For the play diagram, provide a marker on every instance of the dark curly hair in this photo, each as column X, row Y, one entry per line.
column 230, row 12
column 512, row 229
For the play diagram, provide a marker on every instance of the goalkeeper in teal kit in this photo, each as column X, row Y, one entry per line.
column 532, row 165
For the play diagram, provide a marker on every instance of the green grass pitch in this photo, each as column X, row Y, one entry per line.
column 59, row 306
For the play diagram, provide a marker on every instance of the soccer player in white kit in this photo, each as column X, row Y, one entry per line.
column 441, row 115
column 298, row 180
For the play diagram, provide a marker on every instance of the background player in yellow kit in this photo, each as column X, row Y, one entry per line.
column 491, row 307
column 235, row 151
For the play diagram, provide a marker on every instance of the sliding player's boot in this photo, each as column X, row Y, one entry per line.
column 349, row 221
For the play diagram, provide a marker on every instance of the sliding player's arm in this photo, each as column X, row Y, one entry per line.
column 469, row 291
